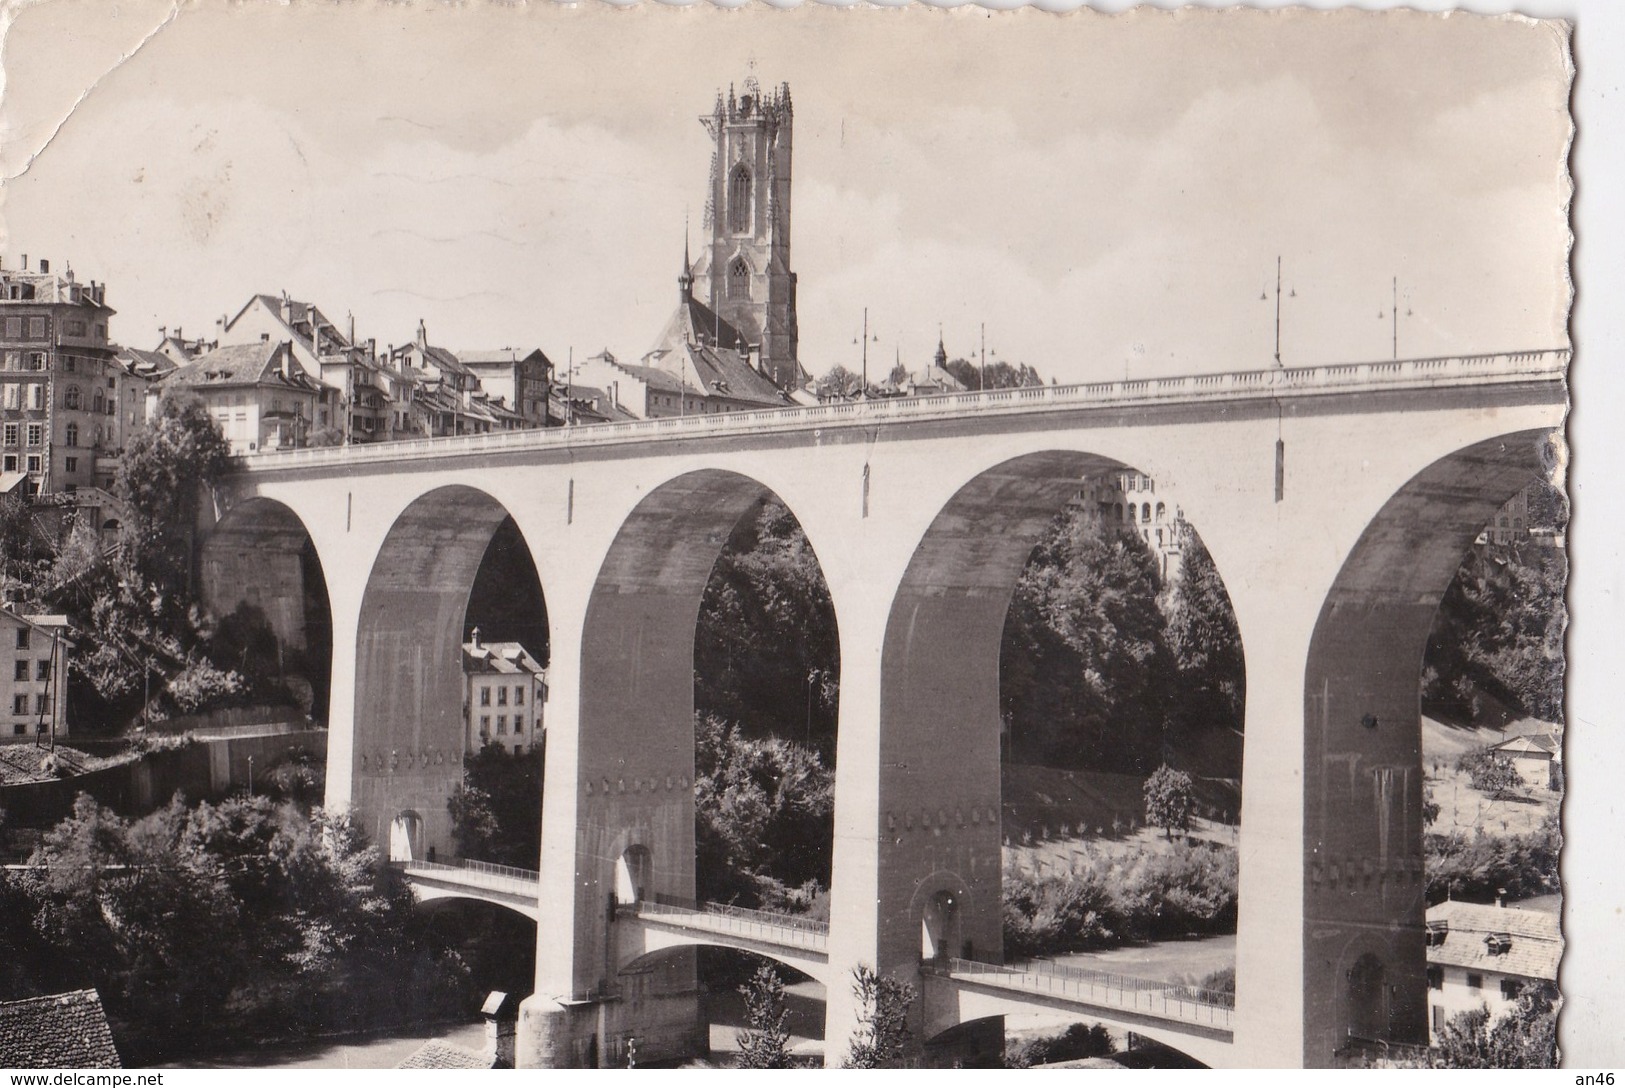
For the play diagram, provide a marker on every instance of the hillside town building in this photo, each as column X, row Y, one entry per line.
column 58, row 380
column 33, row 684
column 258, row 393
column 505, row 689
column 1485, row 956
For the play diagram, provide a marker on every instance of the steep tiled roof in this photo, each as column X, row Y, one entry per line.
column 240, row 364
column 1535, row 744
column 439, row 1054
column 147, row 364
column 1536, row 939
column 62, row 1031
column 498, row 657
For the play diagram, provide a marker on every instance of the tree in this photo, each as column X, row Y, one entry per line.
column 1205, row 642
column 1524, row 1038
column 766, row 1043
column 882, row 1038
column 166, row 468
column 1085, row 671
column 496, row 811
column 1169, row 800
column 1490, row 772
column 838, row 383
column 764, row 814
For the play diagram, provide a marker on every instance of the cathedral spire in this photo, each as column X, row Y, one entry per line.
column 941, row 357
column 685, row 280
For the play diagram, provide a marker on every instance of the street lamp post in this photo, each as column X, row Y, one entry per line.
column 250, row 776
column 864, row 392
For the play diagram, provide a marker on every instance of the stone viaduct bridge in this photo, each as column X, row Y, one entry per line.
column 1336, row 502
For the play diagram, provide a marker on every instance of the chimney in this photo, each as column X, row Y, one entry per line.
column 423, row 335
column 501, row 1014
column 1500, row 897
column 474, row 638
column 163, row 333
column 265, row 337
column 220, row 326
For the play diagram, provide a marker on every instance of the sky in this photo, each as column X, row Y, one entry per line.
column 1107, row 195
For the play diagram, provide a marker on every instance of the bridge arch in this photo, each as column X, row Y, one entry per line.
column 410, row 725
column 635, row 733
column 940, row 710
column 1364, row 883
column 260, row 575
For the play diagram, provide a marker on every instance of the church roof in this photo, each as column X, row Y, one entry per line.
column 696, row 323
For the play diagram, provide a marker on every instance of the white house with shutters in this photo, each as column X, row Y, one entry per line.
column 1486, row 955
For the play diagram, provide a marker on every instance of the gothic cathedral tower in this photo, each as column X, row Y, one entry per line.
column 745, row 269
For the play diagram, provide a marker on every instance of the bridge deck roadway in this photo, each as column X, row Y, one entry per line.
column 1194, row 1021
column 516, row 889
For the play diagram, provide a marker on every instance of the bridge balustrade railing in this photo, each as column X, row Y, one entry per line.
column 1172, row 1000
column 1430, row 371
column 787, row 929
column 482, row 874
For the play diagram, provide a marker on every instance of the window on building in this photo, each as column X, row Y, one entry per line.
column 739, row 199
column 37, row 329
column 1438, row 1019
column 71, row 398
column 101, row 332
column 12, row 433
column 22, row 638
column 1510, row 988
column 36, row 432
column 502, row 725
column 10, row 462
column 69, row 364
column 14, row 328
column 518, row 696
column 36, row 361
column 1435, row 978
column 21, row 728
column 73, row 327
column 485, row 696
column 1474, row 981
column 19, row 704
column 70, row 464
column 36, row 396
column 42, row 670
column 72, row 434
column 40, row 704
column 485, row 725
column 35, row 463
column 502, row 696
column 21, row 671
column 739, row 279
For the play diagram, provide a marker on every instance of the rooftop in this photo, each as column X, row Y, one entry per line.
column 61, row 1031
column 1536, row 939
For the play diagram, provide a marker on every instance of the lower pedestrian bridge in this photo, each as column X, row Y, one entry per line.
column 952, row 991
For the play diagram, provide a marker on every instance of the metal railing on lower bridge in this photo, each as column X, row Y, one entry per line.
column 1167, row 1000
column 788, row 930
column 477, row 874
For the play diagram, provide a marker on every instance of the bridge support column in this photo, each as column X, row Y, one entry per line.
column 917, row 842
column 1275, row 628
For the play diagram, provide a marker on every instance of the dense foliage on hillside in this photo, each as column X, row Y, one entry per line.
column 1187, row 890
column 1496, row 648
column 197, row 924
column 765, row 812
column 1480, row 867
column 1102, row 665
column 496, row 811
column 766, row 649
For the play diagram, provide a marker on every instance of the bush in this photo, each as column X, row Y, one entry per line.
column 1150, row 895
column 1490, row 772
column 1481, row 867
column 1076, row 1042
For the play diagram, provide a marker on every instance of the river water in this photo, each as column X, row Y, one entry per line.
column 382, row 1050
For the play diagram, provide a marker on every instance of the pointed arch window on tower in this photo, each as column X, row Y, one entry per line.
column 739, row 199
column 739, row 279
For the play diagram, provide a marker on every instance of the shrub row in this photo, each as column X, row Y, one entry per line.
column 1189, row 890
